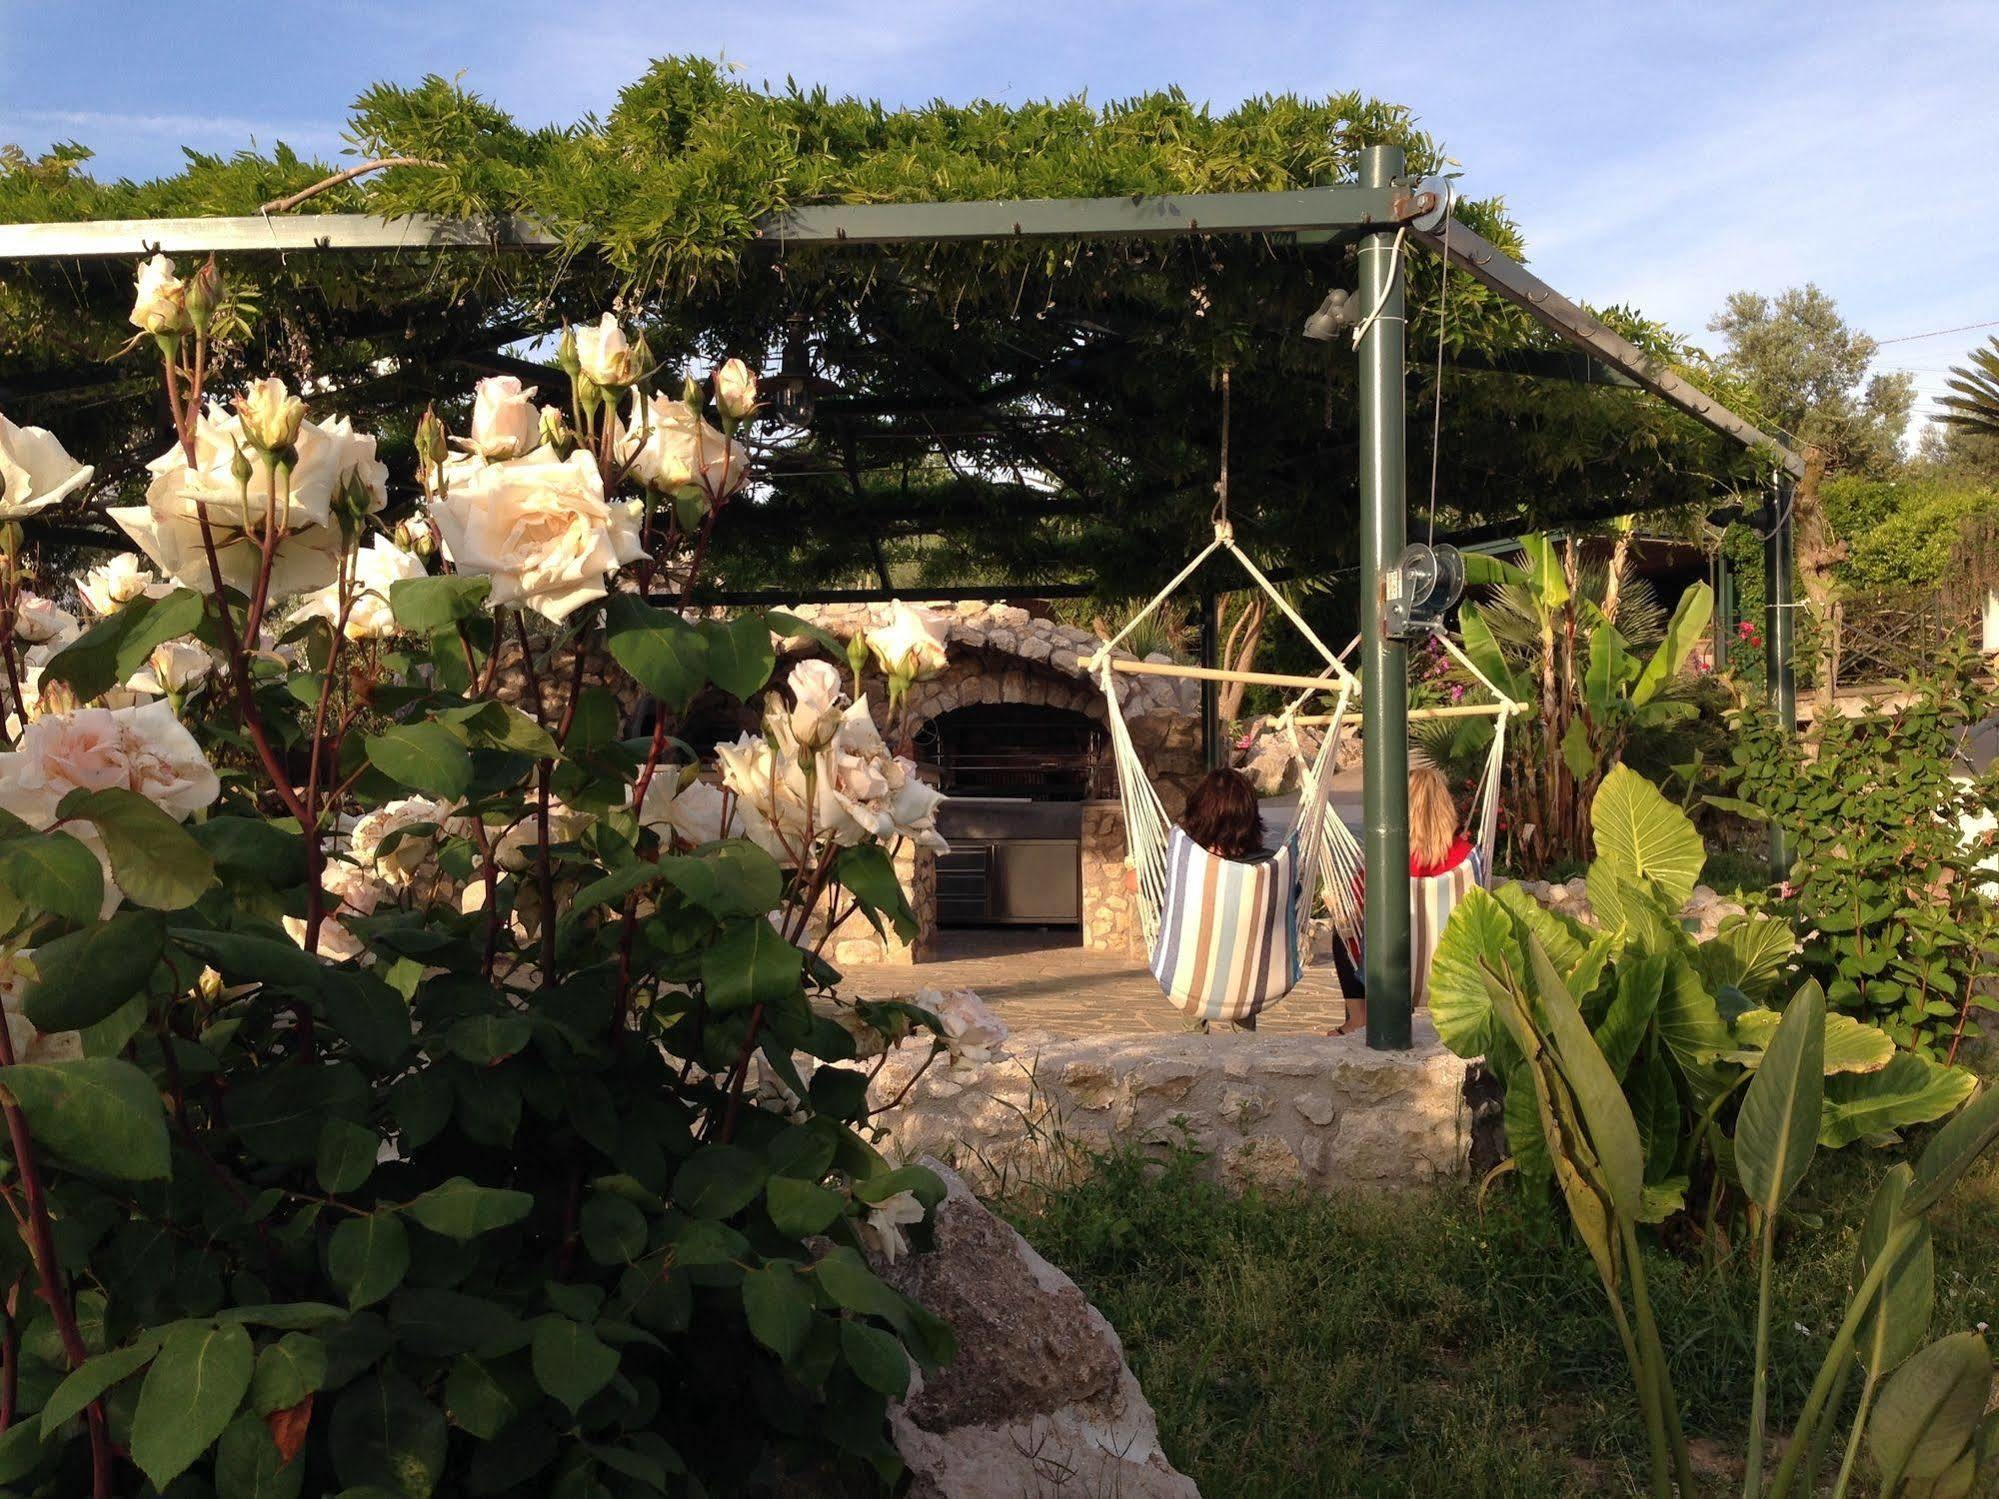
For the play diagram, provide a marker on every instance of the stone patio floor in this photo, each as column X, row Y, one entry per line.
column 1040, row 979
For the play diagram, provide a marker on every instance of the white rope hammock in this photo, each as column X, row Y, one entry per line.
column 1331, row 856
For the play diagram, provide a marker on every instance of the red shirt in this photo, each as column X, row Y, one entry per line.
column 1456, row 854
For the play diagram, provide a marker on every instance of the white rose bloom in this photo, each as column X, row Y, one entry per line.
column 817, row 703
column 376, row 566
column 332, row 457
column 40, row 621
column 912, row 644
column 886, row 1221
column 912, row 807
column 516, row 847
column 770, row 795
column 854, row 781
column 336, row 944
column 29, row 1044
column 404, row 858
column 159, row 303
column 353, row 889
column 35, row 471
column 604, row 353
column 696, row 813
column 505, row 423
column 735, row 390
column 271, row 415
column 110, row 586
column 541, row 530
column 669, row 448
column 143, row 749
column 972, row 1032
column 173, row 668
column 868, row 1042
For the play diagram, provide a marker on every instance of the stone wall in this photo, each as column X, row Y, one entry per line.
column 1270, row 1110
column 1110, row 906
column 856, row 941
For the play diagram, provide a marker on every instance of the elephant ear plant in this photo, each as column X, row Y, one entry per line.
column 419, row 1076
column 1921, row 1409
column 1683, row 1025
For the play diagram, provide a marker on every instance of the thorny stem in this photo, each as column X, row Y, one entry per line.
column 10, row 1356
column 48, row 1271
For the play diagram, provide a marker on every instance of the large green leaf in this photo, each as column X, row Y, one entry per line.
column 1953, row 1149
column 388, row 1437
column 424, row 756
column 1683, row 632
column 101, row 1114
column 190, row 1394
column 1777, row 1129
column 462, row 1209
column 1613, row 1132
column 1478, row 929
column 1610, row 667
column 1749, row 952
column 90, row 1379
column 117, row 646
column 1897, row 1318
column 1640, row 979
column 1849, row 1045
column 83, row 977
column 778, row 1308
column 1542, row 563
column 750, row 964
column 1929, row 1410
column 1643, row 834
column 424, row 605
column 667, row 655
column 730, row 878
column 368, row 1256
column 1690, row 1022
column 1566, row 940
column 1909, row 1090
column 1483, row 651
column 154, row 859
column 570, row 1361
column 54, row 872
column 249, row 1465
column 740, row 655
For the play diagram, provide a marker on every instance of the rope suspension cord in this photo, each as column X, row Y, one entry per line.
column 1437, row 400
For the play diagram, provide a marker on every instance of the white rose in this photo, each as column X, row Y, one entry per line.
column 541, row 530
column 912, row 808
column 304, row 561
column 735, row 390
column 112, row 585
column 159, row 304
column 669, row 448
column 377, row 566
column 770, row 795
column 516, row 847
column 353, row 889
column 604, row 353
column 696, row 813
column 143, row 749
column 381, row 841
column 505, row 423
column 886, row 1221
column 972, row 1032
column 173, row 667
column 817, row 703
column 271, row 416
column 853, row 776
column 336, row 944
column 35, row 471
column 40, row 621
column 912, row 644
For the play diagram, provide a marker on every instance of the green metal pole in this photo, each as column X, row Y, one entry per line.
column 1384, row 662
column 1211, row 702
column 1778, row 614
column 1724, row 609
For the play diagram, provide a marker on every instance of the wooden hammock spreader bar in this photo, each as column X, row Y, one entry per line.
column 1304, row 684
column 1450, row 710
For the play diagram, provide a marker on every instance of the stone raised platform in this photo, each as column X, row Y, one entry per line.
column 1269, row 1110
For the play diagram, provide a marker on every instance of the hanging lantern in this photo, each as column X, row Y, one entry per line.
column 790, row 394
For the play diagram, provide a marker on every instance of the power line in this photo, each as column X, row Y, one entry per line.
column 1936, row 333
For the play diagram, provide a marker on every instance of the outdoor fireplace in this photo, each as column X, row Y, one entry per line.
column 1013, row 733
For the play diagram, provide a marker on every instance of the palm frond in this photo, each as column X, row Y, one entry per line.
column 1975, row 406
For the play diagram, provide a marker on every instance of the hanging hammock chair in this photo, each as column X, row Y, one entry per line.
column 1227, row 937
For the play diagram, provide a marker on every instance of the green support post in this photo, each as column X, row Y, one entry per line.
column 1211, row 702
column 1724, row 609
column 1778, row 615
column 1384, row 662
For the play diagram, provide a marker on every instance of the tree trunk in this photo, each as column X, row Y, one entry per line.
column 1239, row 653
column 1818, row 551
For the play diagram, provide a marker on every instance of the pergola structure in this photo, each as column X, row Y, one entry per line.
column 1380, row 214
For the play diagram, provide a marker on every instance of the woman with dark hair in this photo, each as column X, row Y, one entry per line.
column 1224, row 818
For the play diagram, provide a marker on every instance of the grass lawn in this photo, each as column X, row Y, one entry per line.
column 1397, row 1344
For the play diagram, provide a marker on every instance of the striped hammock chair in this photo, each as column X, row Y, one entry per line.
column 1229, row 937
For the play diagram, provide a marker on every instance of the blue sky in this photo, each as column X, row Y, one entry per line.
column 1659, row 155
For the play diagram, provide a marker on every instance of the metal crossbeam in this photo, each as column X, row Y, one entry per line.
column 97, row 238
column 1490, row 266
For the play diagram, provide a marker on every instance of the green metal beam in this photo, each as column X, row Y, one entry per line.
column 1778, row 613
column 1384, row 662
column 1490, row 266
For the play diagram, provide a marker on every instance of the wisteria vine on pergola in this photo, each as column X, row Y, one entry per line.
column 1004, row 413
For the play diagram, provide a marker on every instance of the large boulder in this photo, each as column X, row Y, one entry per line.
column 1039, row 1399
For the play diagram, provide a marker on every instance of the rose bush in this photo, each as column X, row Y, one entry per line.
column 420, row 1075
